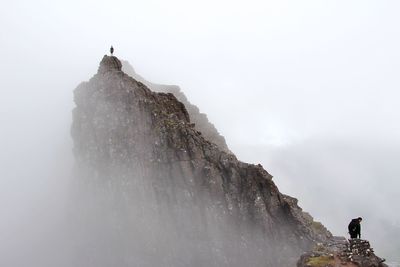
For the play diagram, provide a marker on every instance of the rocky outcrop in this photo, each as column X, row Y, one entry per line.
column 155, row 191
column 199, row 120
column 338, row 251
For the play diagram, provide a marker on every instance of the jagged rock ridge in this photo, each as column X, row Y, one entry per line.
column 200, row 120
column 157, row 192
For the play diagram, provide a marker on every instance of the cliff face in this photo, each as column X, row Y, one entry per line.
column 155, row 191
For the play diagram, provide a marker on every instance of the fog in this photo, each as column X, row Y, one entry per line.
column 338, row 179
column 307, row 88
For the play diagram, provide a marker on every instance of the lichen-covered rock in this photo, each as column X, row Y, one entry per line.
column 155, row 191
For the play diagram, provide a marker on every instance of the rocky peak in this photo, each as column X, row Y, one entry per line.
column 148, row 179
column 109, row 63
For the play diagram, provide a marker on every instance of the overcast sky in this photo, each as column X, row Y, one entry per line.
column 267, row 73
column 264, row 71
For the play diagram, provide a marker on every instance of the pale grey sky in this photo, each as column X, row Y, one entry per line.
column 284, row 69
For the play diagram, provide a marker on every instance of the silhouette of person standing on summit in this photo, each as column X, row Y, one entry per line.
column 111, row 50
column 355, row 228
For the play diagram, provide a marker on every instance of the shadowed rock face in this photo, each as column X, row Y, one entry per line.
column 154, row 191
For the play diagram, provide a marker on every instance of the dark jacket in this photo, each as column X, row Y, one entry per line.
column 355, row 228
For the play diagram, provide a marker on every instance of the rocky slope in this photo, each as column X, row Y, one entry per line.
column 340, row 252
column 154, row 190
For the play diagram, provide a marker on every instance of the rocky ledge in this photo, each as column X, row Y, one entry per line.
column 338, row 251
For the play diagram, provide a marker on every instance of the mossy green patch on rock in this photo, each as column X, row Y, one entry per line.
column 321, row 261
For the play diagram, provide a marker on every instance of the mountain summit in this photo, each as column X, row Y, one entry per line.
column 109, row 63
column 155, row 191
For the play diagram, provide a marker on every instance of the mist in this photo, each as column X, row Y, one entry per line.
column 338, row 179
column 309, row 89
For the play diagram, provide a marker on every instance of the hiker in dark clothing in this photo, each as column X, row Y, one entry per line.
column 355, row 228
column 112, row 50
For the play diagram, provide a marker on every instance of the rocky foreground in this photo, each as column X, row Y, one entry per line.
column 338, row 252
